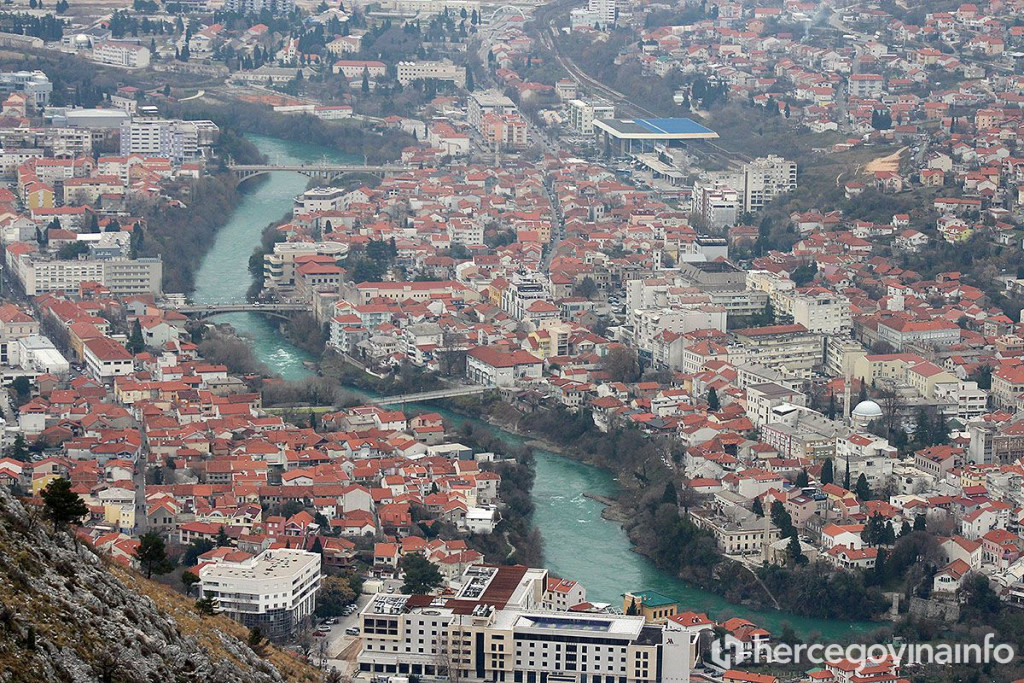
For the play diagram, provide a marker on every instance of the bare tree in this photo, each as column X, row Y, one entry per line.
column 892, row 404
column 451, row 354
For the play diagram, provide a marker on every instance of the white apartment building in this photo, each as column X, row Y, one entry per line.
column 487, row 102
column 600, row 13
column 106, row 359
column 522, row 291
column 275, row 7
column 759, row 181
column 820, row 310
column 865, row 454
column 792, row 347
column 605, row 9
column 127, row 55
column 319, row 199
column 715, row 205
column 275, row 590
column 583, row 113
column 466, row 231
column 647, row 323
column 443, row 70
column 429, row 7
column 494, row 629
column 866, row 85
column 168, row 138
column 121, row 276
column 765, row 179
column 279, row 266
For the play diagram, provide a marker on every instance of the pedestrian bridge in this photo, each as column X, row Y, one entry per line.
column 429, row 395
column 201, row 311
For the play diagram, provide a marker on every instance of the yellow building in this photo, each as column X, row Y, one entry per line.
column 654, row 607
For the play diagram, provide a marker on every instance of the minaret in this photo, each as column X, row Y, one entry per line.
column 846, row 398
column 767, row 535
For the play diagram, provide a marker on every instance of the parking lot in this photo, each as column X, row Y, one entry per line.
column 341, row 647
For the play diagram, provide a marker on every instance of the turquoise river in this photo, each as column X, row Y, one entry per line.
column 578, row 542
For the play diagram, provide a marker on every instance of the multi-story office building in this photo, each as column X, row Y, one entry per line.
column 275, row 590
column 494, row 629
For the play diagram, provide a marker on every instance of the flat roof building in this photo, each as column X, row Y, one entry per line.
column 275, row 590
column 640, row 135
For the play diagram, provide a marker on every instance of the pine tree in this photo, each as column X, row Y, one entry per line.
column 63, row 505
column 152, row 555
column 256, row 642
column 920, row 523
column 863, row 395
column 223, row 539
column 757, row 507
column 846, row 477
column 796, row 554
column 802, row 479
column 632, row 610
column 827, row 474
column 714, row 405
column 365, row 86
column 863, row 488
column 831, row 412
column 136, row 344
column 469, row 80
column 206, row 607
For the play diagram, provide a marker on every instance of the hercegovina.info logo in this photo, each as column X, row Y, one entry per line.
column 728, row 652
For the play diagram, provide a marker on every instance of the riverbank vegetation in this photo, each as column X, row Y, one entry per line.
column 181, row 232
column 223, row 347
column 348, row 137
column 515, row 539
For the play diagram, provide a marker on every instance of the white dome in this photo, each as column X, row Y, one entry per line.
column 867, row 409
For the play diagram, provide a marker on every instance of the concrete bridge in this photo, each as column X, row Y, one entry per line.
column 429, row 395
column 284, row 311
column 326, row 172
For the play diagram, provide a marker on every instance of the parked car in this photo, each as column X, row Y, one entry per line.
column 352, row 631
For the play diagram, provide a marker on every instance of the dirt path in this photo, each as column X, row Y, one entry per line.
column 886, row 163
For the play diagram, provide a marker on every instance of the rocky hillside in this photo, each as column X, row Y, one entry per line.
column 67, row 614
